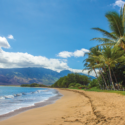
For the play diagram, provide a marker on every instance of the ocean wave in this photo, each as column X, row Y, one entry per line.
column 9, row 96
column 34, row 92
column 24, row 93
column 20, row 94
column 2, row 97
column 42, row 91
column 17, row 98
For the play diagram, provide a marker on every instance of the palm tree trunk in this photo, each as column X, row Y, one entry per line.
column 97, row 77
column 103, row 79
column 107, row 75
column 115, row 78
column 111, row 77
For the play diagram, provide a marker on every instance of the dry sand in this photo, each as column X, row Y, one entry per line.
column 76, row 107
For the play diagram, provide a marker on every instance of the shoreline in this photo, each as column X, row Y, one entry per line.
column 76, row 107
column 49, row 101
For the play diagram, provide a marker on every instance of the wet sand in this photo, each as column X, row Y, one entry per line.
column 76, row 107
column 37, row 105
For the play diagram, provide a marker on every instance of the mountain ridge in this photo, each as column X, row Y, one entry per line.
column 18, row 76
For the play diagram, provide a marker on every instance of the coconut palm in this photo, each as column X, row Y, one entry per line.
column 91, row 62
column 90, row 66
column 117, row 27
column 110, row 57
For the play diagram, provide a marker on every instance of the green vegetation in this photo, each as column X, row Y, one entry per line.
column 72, row 80
column 93, row 83
column 33, row 85
column 107, row 59
column 95, row 89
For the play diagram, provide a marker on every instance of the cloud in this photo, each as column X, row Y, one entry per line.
column 80, row 53
column 77, row 53
column 10, row 37
column 65, row 54
column 119, row 3
column 84, row 72
column 4, row 43
column 24, row 60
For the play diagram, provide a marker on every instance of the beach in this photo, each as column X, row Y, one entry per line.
column 75, row 107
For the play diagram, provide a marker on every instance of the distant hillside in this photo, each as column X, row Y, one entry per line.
column 18, row 76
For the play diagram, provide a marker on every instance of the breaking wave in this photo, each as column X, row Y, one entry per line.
column 21, row 94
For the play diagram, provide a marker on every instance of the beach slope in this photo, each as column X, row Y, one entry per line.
column 76, row 107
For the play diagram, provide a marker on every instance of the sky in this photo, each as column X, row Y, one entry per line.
column 53, row 34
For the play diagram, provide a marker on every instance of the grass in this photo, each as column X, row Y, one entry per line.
column 99, row 90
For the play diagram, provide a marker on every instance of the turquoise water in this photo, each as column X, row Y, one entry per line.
column 12, row 98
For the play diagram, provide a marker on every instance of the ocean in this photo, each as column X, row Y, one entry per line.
column 13, row 98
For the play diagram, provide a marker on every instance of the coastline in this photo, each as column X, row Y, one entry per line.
column 76, row 107
column 51, row 100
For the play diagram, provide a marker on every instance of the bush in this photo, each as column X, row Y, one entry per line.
column 83, row 86
column 33, row 85
column 77, row 85
column 72, row 84
column 93, row 83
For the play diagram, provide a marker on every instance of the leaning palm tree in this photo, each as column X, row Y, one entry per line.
column 90, row 66
column 117, row 27
column 110, row 57
column 94, row 52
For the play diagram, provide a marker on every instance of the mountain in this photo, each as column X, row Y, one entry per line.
column 18, row 76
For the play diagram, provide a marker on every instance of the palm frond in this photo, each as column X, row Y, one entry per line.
column 104, row 40
column 115, row 23
column 105, row 33
column 107, row 44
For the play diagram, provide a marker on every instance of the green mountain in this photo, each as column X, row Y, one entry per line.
column 18, row 76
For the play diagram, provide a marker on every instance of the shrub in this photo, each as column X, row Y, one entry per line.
column 72, row 84
column 93, row 83
column 83, row 86
column 77, row 85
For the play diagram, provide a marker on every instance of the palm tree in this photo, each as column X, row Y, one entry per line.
column 90, row 66
column 110, row 57
column 94, row 52
column 117, row 27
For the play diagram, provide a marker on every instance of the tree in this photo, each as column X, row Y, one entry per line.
column 110, row 57
column 117, row 26
column 95, row 52
column 72, row 79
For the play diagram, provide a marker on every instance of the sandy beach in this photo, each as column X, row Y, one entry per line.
column 76, row 107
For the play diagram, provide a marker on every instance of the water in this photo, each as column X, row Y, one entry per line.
column 12, row 98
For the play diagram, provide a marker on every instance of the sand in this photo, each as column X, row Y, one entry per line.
column 76, row 107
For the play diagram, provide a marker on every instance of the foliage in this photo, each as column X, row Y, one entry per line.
column 96, row 89
column 71, row 84
column 72, row 80
column 107, row 59
column 77, row 85
column 33, row 85
column 94, row 83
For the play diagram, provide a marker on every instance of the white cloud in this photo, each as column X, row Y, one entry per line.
column 23, row 60
column 77, row 53
column 4, row 43
column 10, row 37
column 119, row 3
column 80, row 53
column 65, row 54
column 82, row 71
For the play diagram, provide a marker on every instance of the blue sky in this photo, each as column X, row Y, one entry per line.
column 50, row 33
